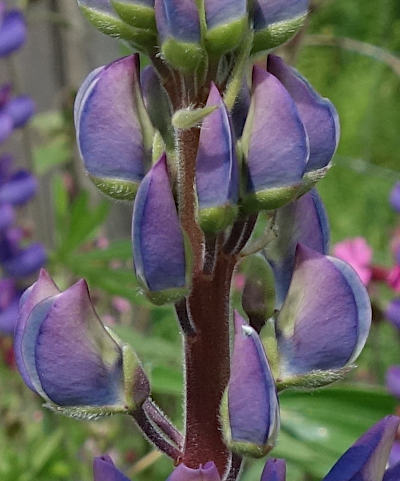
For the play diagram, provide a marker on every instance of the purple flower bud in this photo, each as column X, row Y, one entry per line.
column 20, row 109
column 7, row 216
column 206, row 472
column 18, row 189
column 275, row 144
column 318, row 114
column 251, row 414
column 366, row 459
column 226, row 24
column 392, row 313
column 105, row 470
column 108, row 127
column 302, row 221
column 393, row 380
column 274, row 470
column 69, row 357
column 217, row 178
column 325, row 331
column 178, row 27
column 42, row 289
column 275, row 21
column 158, row 243
column 395, row 197
column 12, row 31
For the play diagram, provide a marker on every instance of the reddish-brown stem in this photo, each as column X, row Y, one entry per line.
column 207, row 365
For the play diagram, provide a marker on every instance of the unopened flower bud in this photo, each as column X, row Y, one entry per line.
column 67, row 356
column 318, row 114
column 217, row 179
column 275, row 145
column 158, row 242
column 276, row 21
column 179, row 30
column 138, row 13
column 250, row 409
column 274, row 470
column 110, row 131
column 227, row 23
column 315, row 332
column 105, row 470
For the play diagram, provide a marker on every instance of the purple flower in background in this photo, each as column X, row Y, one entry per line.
column 15, row 111
column 12, row 30
column 9, row 301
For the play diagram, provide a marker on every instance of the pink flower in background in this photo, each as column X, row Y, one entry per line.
column 358, row 253
column 393, row 278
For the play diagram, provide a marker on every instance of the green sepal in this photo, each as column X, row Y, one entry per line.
column 217, row 219
column 314, row 379
column 243, row 448
column 270, row 343
column 137, row 15
column 167, row 296
column 188, row 118
column 184, row 56
column 116, row 188
column 269, row 199
column 226, row 37
column 139, row 38
column 158, row 147
column 312, row 177
column 87, row 413
column 276, row 34
column 136, row 384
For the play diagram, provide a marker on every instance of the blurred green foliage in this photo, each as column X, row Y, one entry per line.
column 37, row 445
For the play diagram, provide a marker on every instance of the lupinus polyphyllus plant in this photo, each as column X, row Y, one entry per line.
column 17, row 186
column 208, row 150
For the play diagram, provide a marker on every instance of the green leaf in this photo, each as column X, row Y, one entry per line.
column 53, row 153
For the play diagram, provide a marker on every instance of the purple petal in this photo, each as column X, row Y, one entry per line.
column 19, row 188
column 302, row 221
column 395, row 197
column 105, row 470
column 158, row 247
column 157, row 103
column 366, row 459
column 318, row 114
column 267, row 12
column 206, row 472
column 394, row 458
column 20, row 109
column 392, row 474
column 12, row 32
column 324, row 331
column 278, row 145
column 27, row 261
column 393, row 380
column 274, row 470
column 108, row 129
column 392, row 312
column 6, row 126
column 252, row 400
column 217, row 178
column 68, row 353
column 42, row 289
column 241, row 109
column 222, row 12
column 178, row 19
column 7, row 216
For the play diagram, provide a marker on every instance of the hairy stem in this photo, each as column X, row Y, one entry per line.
column 207, row 365
column 158, row 418
column 152, row 434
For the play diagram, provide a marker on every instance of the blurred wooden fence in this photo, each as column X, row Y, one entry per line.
column 62, row 49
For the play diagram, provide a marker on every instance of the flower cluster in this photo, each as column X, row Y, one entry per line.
column 203, row 144
column 17, row 186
